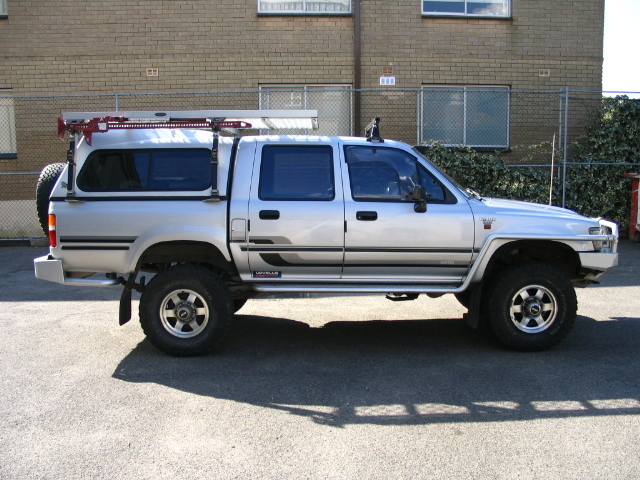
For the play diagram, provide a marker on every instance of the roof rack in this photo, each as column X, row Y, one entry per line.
column 88, row 123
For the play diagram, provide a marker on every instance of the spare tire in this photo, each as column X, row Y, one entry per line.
column 44, row 187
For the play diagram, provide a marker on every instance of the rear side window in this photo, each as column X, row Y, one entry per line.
column 296, row 173
column 146, row 170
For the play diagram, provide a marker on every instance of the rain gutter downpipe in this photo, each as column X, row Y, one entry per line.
column 357, row 65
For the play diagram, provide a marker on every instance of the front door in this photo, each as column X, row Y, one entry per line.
column 386, row 239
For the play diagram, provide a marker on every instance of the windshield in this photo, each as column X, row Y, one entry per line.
column 467, row 192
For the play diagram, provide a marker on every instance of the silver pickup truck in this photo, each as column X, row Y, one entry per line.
column 220, row 219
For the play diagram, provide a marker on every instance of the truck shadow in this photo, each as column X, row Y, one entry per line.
column 405, row 372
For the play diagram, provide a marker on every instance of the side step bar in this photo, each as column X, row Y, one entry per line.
column 353, row 288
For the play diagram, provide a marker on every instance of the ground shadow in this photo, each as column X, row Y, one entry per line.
column 405, row 372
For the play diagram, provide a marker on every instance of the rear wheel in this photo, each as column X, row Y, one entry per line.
column 186, row 310
column 532, row 306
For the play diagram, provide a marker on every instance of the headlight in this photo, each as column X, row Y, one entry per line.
column 597, row 245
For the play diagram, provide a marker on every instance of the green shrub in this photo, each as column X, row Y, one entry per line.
column 593, row 189
column 613, row 133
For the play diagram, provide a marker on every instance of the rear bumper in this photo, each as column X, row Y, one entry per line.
column 50, row 269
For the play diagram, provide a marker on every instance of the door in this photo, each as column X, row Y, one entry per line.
column 386, row 239
column 296, row 213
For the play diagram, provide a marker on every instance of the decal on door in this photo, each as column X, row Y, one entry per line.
column 266, row 274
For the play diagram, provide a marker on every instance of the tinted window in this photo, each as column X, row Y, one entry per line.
column 380, row 173
column 296, row 173
column 387, row 174
column 151, row 170
column 433, row 188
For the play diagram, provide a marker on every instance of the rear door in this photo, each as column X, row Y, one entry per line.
column 296, row 211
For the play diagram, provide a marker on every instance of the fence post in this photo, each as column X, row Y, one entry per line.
column 564, row 147
column 419, row 116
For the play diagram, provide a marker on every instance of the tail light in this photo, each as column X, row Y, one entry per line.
column 53, row 241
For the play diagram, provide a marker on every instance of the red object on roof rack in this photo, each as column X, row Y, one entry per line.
column 104, row 124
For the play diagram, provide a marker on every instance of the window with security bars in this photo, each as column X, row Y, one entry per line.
column 475, row 117
column 7, row 126
column 305, row 6
column 333, row 103
column 480, row 8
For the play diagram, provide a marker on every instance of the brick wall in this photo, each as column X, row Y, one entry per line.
column 93, row 46
column 98, row 46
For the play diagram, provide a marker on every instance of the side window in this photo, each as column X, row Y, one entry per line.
column 181, row 170
column 386, row 174
column 381, row 174
column 149, row 170
column 436, row 193
column 296, row 173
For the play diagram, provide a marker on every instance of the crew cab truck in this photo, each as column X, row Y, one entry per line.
column 220, row 219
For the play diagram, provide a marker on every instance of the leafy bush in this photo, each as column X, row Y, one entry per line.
column 614, row 132
column 593, row 189
column 491, row 176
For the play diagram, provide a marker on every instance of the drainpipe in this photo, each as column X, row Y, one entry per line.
column 357, row 65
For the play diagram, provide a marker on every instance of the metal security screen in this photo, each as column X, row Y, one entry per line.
column 469, row 116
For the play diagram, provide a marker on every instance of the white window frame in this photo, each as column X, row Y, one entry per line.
column 466, row 4
column 7, row 125
column 307, row 7
column 299, row 94
column 3, row 8
column 466, row 127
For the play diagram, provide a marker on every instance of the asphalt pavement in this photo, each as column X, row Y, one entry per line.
column 350, row 387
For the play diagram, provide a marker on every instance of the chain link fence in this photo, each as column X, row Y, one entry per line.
column 519, row 126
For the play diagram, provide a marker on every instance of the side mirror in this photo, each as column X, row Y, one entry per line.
column 419, row 197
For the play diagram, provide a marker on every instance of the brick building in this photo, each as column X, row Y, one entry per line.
column 462, row 56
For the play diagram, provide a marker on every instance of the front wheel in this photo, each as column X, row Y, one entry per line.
column 186, row 310
column 532, row 306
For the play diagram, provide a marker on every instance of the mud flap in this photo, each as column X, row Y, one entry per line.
column 125, row 305
column 124, row 314
column 472, row 317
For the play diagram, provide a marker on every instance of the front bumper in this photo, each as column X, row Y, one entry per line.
column 607, row 256
column 598, row 260
column 50, row 269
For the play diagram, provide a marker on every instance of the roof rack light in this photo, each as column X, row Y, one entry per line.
column 372, row 131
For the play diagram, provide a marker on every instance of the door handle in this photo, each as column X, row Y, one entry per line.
column 269, row 215
column 367, row 216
